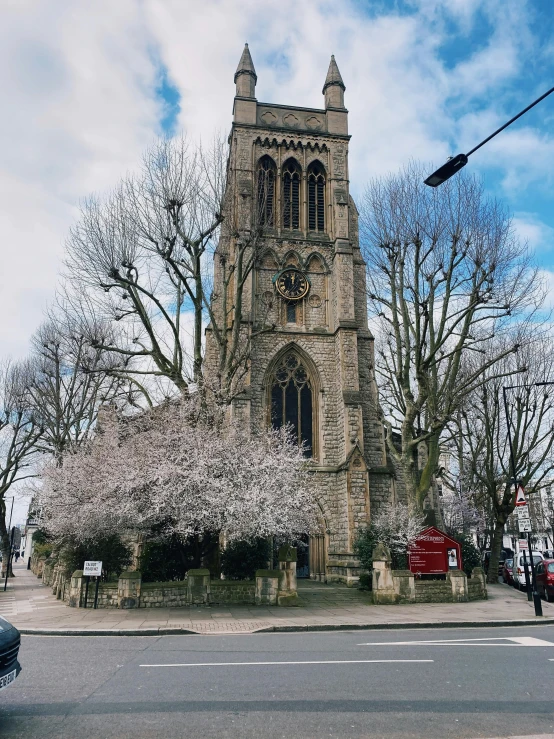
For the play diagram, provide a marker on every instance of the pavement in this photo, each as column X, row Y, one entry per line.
column 30, row 606
column 462, row 683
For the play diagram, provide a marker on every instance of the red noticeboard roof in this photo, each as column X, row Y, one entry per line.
column 433, row 531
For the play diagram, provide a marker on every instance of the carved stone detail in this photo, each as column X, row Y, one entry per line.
column 313, row 123
column 269, row 118
column 291, row 121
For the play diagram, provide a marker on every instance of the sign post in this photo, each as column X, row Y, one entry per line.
column 92, row 568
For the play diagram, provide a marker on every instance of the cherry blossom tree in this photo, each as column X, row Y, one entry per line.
column 173, row 471
column 397, row 526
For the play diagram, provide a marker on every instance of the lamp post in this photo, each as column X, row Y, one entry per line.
column 454, row 164
column 535, row 597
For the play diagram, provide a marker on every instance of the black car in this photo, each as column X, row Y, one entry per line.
column 9, row 648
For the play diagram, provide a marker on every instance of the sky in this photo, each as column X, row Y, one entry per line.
column 87, row 87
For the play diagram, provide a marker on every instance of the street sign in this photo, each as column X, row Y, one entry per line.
column 92, row 569
column 522, row 544
column 523, row 512
column 520, row 496
column 524, row 525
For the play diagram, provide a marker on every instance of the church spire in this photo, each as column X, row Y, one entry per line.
column 334, row 88
column 245, row 76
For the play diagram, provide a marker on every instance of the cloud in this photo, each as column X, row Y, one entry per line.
column 88, row 86
column 534, row 231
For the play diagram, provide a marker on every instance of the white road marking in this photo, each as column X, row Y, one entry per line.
column 318, row 662
column 495, row 641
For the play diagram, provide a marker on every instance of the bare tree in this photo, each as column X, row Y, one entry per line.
column 19, row 434
column 446, row 273
column 67, row 381
column 531, row 418
column 140, row 267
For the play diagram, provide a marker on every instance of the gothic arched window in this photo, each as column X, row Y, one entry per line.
column 266, row 191
column 316, row 197
column 291, row 195
column 292, row 400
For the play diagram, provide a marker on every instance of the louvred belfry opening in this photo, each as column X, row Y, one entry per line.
column 291, row 195
column 316, row 198
column 291, row 400
column 266, row 192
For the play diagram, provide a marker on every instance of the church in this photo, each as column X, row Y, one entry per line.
column 315, row 368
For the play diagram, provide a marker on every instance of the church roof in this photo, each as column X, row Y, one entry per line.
column 333, row 75
column 246, row 64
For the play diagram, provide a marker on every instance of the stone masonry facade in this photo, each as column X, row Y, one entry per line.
column 327, row 331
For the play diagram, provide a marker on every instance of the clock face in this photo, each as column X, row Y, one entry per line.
column 292, row 284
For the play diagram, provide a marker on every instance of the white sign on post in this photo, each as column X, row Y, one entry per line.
column 522, row 544
column 92, row 569
column 522, row 512
column 524, row 525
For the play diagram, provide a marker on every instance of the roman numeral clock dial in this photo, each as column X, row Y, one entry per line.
column 292, row 284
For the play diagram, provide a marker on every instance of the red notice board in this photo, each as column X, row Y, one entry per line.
column 434, row 552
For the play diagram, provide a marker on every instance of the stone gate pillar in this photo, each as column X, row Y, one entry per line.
column 288, row 595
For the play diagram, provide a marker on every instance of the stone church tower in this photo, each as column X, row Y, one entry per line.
column 315, row 368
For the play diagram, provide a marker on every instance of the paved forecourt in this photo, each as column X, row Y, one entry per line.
column 30, row 605
column 394, row 684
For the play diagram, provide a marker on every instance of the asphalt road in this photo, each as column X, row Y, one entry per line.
column 494, row 682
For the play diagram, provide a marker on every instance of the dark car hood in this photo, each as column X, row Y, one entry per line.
column 5, row 625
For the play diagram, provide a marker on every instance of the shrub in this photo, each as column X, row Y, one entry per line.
column 366, row 542
column 241, row 559
column 42, row 550
column 169, row 558
column 115, row 555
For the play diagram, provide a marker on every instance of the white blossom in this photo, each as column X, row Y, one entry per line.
column 397, row 526
column 170, row 470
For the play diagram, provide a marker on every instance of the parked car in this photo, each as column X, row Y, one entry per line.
column 504, row 553
column 545, row 579
column 9, row 650
column 518, row 568
column 507, row 575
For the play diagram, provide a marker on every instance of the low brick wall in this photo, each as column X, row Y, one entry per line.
column 400, row 586
column 163, row 594
column 107, row 594
column 432, row 591
column 271, row 587
column 476, row 586
column 232, row 592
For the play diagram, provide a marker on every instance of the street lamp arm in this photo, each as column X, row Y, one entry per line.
column 509, row 123
column 454, row 164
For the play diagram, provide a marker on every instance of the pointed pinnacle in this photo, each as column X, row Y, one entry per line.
column 246, row 64
column 333, row 75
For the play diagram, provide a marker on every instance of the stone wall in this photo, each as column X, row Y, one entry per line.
column 432, row 591
column 164, row 595
column 400, row 586
column 232, row 593
column 270, row 587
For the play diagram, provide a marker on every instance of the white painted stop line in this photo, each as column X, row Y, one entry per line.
column 496, row 641
column 318, row 662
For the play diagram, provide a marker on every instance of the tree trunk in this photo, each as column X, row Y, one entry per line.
column 496, row 546
column 4, row 539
